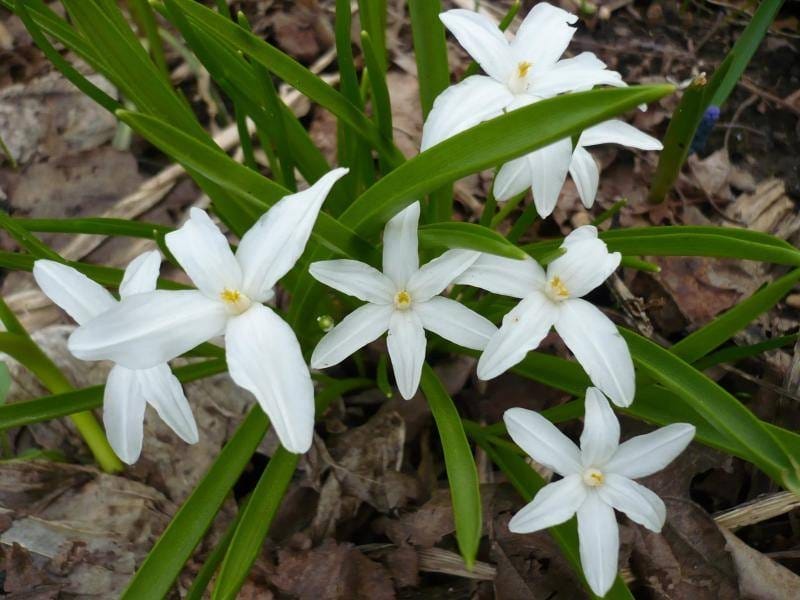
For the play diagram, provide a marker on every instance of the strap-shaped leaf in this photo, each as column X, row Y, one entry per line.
column 470, row 236
column 460, row 464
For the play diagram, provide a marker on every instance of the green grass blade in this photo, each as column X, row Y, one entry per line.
column 713, row 403
column 373, row 21
column 469, row 236
column 162, row 565
column 254, row 525
column 291, row 72
column 462, row 474
column 250, row 188
column 64, row 404
column 489, row 144
column 381, row 104
column 722, row 328
column 430, row 51
column 745, row 47
column 737, row 353
column 678, row 138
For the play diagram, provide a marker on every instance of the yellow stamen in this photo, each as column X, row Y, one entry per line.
column 402, row 300
column 558, row 291
column 593, row 477
column 523, row 68
column 230, row 296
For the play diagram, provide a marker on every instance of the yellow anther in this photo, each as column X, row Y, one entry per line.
column 557, row 289
column 523, row 68
column 402, row 300
column 593, row 477
column 230, row 296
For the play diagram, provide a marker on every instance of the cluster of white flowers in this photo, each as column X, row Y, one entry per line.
column 147, row 327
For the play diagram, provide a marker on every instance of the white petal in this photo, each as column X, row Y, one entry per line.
column 600, row 437
column 264, row 358
column 542, row 441
column 400, row 253
column 618, row 132
column 598, row 535
column 548, row 168
column 504, row 276
column 147, row 329
column 362, row 326
column 203, row 252
column 436, row 275
column 141, row 274
column 482, row 39
column 641, row 505
column 162, row 390
column 455, row 322
column 544, row 35
column 599, row 348
column 512, row 179
column 476, row 99
column 76, row 294
column 586, row 264
column 552, row 505
column 406, row 343
column 272, row 246
column 586, row 175
column 646, row 454
column 354, row 279
column 521, row 331
column 577, row 74
column 123, row 413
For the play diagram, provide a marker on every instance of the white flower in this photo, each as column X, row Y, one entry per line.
column 517, row 72
column 403, row 299
column 596, row 480
column 262, row 351
column 545, row 170
column 127, row 390
column 554, row 300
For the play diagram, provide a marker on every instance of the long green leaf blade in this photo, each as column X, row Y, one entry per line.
column 461, row 472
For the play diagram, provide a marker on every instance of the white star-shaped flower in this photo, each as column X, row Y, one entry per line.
column 597, row 478
column 553, row 299
column 545, row 170
column 518, row 72
column 127, row 390
column 403, row 299
column 262, row 352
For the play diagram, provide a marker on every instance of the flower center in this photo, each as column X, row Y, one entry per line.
column 517, row 82
column 402, row 300
column 556, row 290
column 593, row 477
column 235, row 301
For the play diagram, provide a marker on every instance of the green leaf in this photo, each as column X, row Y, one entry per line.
column 251, row 189
column 64, row 404
column 714, row 404
column 430, row 51
column 678, row 138
column 165, row 561
column 470, row 236
column 291, row 72
column 722, row 328
column 5, row 383
column 737, row 353
column 689, row 240
column 381, row 105
column 489, row 144
column 254, row 525
column 744, row 49
column 460, row 464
